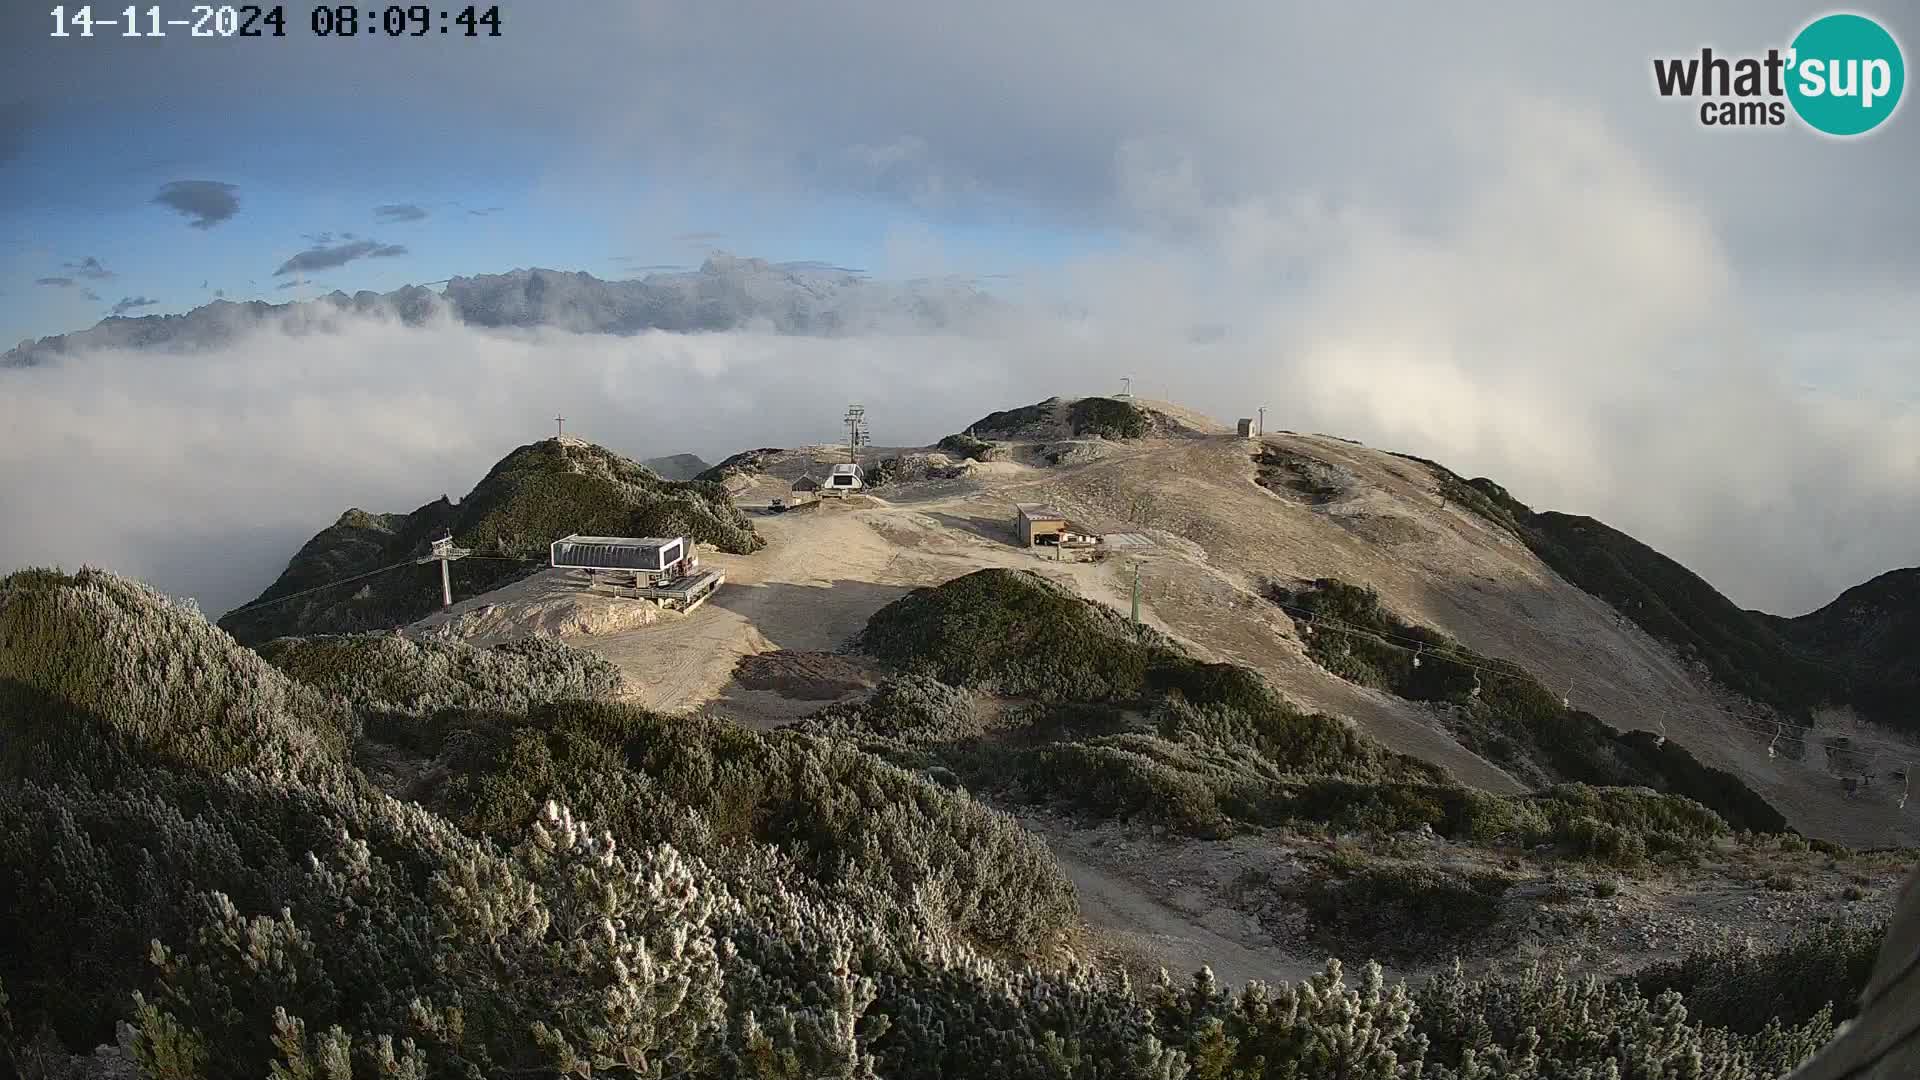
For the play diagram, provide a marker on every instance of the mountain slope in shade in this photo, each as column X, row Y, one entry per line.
column 1867, row 641
column 725, row 293
column 677, row 466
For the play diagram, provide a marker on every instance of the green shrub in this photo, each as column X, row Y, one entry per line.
column 1015, row 633
column 968, row 447
column 914, row 709
column 1107, row 418
column 1542, row 1024
column 1015, row 421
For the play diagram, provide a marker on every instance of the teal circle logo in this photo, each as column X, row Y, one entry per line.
column 1845, row 74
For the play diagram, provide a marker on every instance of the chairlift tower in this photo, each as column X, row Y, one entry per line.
column 443, row 552
column 857, row 433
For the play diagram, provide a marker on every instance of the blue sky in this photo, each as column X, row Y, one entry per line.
column 476, row 206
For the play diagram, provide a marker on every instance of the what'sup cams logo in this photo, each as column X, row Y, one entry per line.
column 1842, row 75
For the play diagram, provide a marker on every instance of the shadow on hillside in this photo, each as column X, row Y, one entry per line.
column 809, row 618
column 997, row 529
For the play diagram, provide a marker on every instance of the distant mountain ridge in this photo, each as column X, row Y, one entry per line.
column 725, row 293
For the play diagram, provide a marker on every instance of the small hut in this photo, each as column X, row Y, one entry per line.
column 1032, row 521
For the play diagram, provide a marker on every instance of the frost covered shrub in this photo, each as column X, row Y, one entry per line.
column 560, row 956
column 1317, row 1028
column 396, row 674
column 411, row 949
column 846, row 816
column 89, row 876
column 155, row 675
column 277, row 916
column 915, row 709
column 1542, row 1025
column 1403, row 912
column 1739, row 985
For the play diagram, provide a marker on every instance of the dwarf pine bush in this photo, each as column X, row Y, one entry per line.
column 391, row 673
column 1107, row 418
column 849, row 818
column 154, row 675
column 1738, row 985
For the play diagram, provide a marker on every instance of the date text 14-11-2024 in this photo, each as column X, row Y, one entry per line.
column 251, row 20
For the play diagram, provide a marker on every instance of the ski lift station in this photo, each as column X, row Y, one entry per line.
column 845, row 479
column 664, row 569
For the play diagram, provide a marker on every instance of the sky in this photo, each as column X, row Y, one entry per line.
column 1469, row 232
